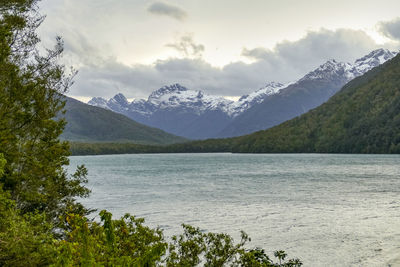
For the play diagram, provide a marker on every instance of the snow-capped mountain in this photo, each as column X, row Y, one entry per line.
column 99, row 102
column 176, row 95
column 333, row 68
column 194, row 114
column 330, row 70
column 312, row 90
column 167, row 97
column 372, row 60
column 118, row 103
column 175, row 109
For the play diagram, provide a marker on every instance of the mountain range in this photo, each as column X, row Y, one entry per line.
column 196, row 115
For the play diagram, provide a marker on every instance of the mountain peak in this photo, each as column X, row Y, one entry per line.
column 99, row 102
column 379, row 54
column 120, row 99
column 167, row 90
column 332, row 68
column 174, row 87
column 330, row 63
column 272, row 85
column 328, row 70
column 373, row 59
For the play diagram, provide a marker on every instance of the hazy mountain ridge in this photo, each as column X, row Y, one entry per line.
column 196, row 115
column 87, row 123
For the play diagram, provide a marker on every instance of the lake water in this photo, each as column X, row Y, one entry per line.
column 327, row 210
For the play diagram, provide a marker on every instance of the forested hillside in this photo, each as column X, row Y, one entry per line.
column 364, row 117
column 87, row 123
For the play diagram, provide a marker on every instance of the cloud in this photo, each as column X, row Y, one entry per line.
column 79, row 51
column 390, row 29
column 287, row 61
column 187, row 47
column 315, row 48
column 256, row 53
column 164, row 9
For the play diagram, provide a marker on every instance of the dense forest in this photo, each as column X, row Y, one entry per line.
column 41, row 222
column 363, row 117
column 206, row 146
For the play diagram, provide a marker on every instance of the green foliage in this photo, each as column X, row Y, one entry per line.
column 31, row 87
column 93, row 124
column 195, row 248
column 123, row 242
column 2, row 164
column 25, row 240
column 257, row 258
column 127, row 242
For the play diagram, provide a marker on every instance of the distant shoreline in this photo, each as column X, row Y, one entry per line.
column 94, row 149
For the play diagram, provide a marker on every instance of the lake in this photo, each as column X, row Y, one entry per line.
column 326, row 209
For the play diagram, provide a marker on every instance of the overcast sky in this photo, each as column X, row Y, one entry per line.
column 223, row 47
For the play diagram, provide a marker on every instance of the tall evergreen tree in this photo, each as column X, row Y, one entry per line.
column 32, row 85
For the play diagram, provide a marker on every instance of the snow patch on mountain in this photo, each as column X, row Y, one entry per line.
column 256, row 97
column 142, row 107
column 99, row 102
column 159, row 95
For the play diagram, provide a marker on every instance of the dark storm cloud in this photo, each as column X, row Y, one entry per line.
column 187, row 47
column 390, row 29
column 164, row 9
column 288, row 61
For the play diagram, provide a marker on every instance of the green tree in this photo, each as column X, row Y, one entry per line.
column 196, row 248
column 31, row 92
column 25, row 240
column 123, row 242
